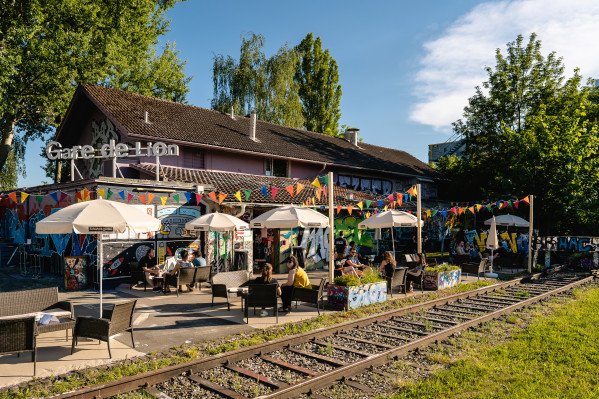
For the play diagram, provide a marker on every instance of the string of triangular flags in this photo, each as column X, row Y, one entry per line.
column 476, row 208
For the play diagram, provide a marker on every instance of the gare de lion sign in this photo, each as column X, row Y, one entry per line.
column 55, row 151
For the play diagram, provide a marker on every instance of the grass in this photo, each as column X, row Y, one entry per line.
column 39, row 388
column 554, row 356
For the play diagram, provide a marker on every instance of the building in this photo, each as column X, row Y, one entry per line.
column 436, row 151
column 178, row 161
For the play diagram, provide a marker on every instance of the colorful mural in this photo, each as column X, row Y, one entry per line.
column 75, row 274
column 441, row 280
column 341, row 297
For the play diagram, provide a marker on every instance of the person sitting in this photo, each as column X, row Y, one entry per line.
column 150, row 268
column 266, row 278
column 388, row 265
column 198, row 259
column 297, row 277
column 185, row 262
column 459, row 249
column 353, row 259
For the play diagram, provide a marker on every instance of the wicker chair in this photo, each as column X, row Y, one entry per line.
column 18, row 335
column 397, row 279
column 225, row 284
column 262, row 295
column 185, row 276
column 473, row 268
column 313, row 295
column 32, row 301
column 114, row 321
column 202, row 275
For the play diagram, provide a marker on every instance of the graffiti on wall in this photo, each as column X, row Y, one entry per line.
column 567, row 243
column 509, row 241
column 173, row 218
column 102, row 133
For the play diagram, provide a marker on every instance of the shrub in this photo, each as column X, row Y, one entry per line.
column 348, row 280
column 441, row 268
column 371, row 276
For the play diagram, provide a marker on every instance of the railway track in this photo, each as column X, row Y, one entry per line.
column 301, row 365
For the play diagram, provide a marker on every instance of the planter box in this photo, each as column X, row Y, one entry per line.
column 438, row 281
column 342, row 297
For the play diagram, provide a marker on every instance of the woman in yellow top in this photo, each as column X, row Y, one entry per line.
column 297, row 277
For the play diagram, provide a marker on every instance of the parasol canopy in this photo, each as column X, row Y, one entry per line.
column 216, row 222
column 508, row 220
column 289, row 217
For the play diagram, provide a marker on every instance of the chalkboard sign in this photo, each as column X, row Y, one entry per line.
column 119, row 255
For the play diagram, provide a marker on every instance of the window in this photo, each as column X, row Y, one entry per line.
column 193, row 159
column 276, row 167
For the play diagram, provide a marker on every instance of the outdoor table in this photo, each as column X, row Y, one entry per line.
column 64, row 323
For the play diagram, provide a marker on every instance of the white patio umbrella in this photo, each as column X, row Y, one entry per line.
column 389, row 219
column 219, row 222
column 492, row 241
column 288, row 217
column 508, row 220
column 97, row 217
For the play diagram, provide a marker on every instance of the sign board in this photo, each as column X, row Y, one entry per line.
column 55, row 151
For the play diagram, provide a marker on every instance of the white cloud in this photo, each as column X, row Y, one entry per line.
column 454, row 63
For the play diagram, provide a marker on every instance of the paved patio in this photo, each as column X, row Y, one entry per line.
column 160, row 321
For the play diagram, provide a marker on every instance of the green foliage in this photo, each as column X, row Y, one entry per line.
column 555, row 356
column 529, row 130
column 257, row 82
column 441, row 268
column 47, row 47
column 371, row 276
column 319, row 88
column 348, row 280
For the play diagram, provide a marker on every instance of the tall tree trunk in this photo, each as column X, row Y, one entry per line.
column 8, row 132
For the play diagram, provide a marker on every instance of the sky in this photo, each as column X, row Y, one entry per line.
column 406, row 68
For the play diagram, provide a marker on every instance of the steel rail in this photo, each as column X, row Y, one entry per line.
column 341, row 373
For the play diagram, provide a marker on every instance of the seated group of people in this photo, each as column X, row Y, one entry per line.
column 151, row 268
column 296, row 277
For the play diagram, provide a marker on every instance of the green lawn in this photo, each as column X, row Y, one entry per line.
column 555, row 356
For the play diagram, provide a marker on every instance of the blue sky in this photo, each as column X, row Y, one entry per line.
column 406, row 68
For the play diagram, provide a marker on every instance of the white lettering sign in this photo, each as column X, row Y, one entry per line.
column 54, row 150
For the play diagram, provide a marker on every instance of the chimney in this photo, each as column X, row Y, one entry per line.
column 351, row 135
column 253, row 125
column 232, row 112
column 146, row 117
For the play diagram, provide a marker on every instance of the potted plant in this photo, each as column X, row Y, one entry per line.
column 442, row 276
column 351, row 292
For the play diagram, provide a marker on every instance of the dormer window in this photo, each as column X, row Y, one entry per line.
column 276, row 167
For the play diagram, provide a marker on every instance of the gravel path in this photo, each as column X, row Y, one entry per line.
column 302, row 361
column 236, row 382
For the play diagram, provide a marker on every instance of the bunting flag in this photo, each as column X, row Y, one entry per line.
column 163, row 200
column 350, row 209
column 412, row 191
column 273, row 192
column 150, row 198
column 142, row 199
column 24, row 197
column 526, row 200
column 489, row 207
column 212, row 196
column 338, row 209
column 85, row 194
column 298, row 188
column 434, row 212
column 264, row 191
column 221, row 197
column 199, row 198
column 368, row 203
column 100, row 193
column 187, row 196
column 39, row 199
column 360, row 205
column 238, row 195
column 247, row 194
column 471, row 209
column 444, row 213
column 290, row 190
column 367, row 215
column 399, row 199
column 325, row 180
column 516, row 203
column 380, row 203
column 390, row 197
column 121, row 194
column 406, row 198
column 129, row 197
column 478, row 207
column 77, row 196
column 317, row 194
column 63, row 196
column 313, row 202
column 176, row 197
column 54, row 196
column 316, row 183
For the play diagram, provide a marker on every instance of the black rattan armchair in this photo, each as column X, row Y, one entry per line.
column 202, row 275
column 114, row 321
column 314, row 295
column 18, row 335
column 261, row 295
column 185, row 276
column 397, row 280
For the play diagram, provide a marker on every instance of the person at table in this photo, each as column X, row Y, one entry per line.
column 388, row 265
column 148, row 264
column 198, row 259
column 185, row 262
column 297, row 277
column 353, row 260
column 460, row 249
column 352, row 247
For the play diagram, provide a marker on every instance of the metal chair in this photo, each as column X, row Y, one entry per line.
column 261, row 295
column 114, row 321
column 397, row 279
column 314, row 295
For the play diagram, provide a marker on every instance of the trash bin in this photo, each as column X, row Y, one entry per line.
column 240, row 260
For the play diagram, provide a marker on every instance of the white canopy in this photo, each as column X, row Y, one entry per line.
column 492, row 240
column 97, row 216
column 508, row 220
column 290, row 216
column 388, row 219
column 216, row 222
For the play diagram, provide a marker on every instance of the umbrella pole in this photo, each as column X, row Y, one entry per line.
column 100, row 267
column 393, row 242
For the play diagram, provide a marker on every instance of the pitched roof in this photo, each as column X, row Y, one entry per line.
column 231, row 182
column 186, row 123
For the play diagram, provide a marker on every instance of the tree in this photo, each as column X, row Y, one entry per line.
column 257, row 82
column 319, row 89
column 47, row 47
column 530, row 130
